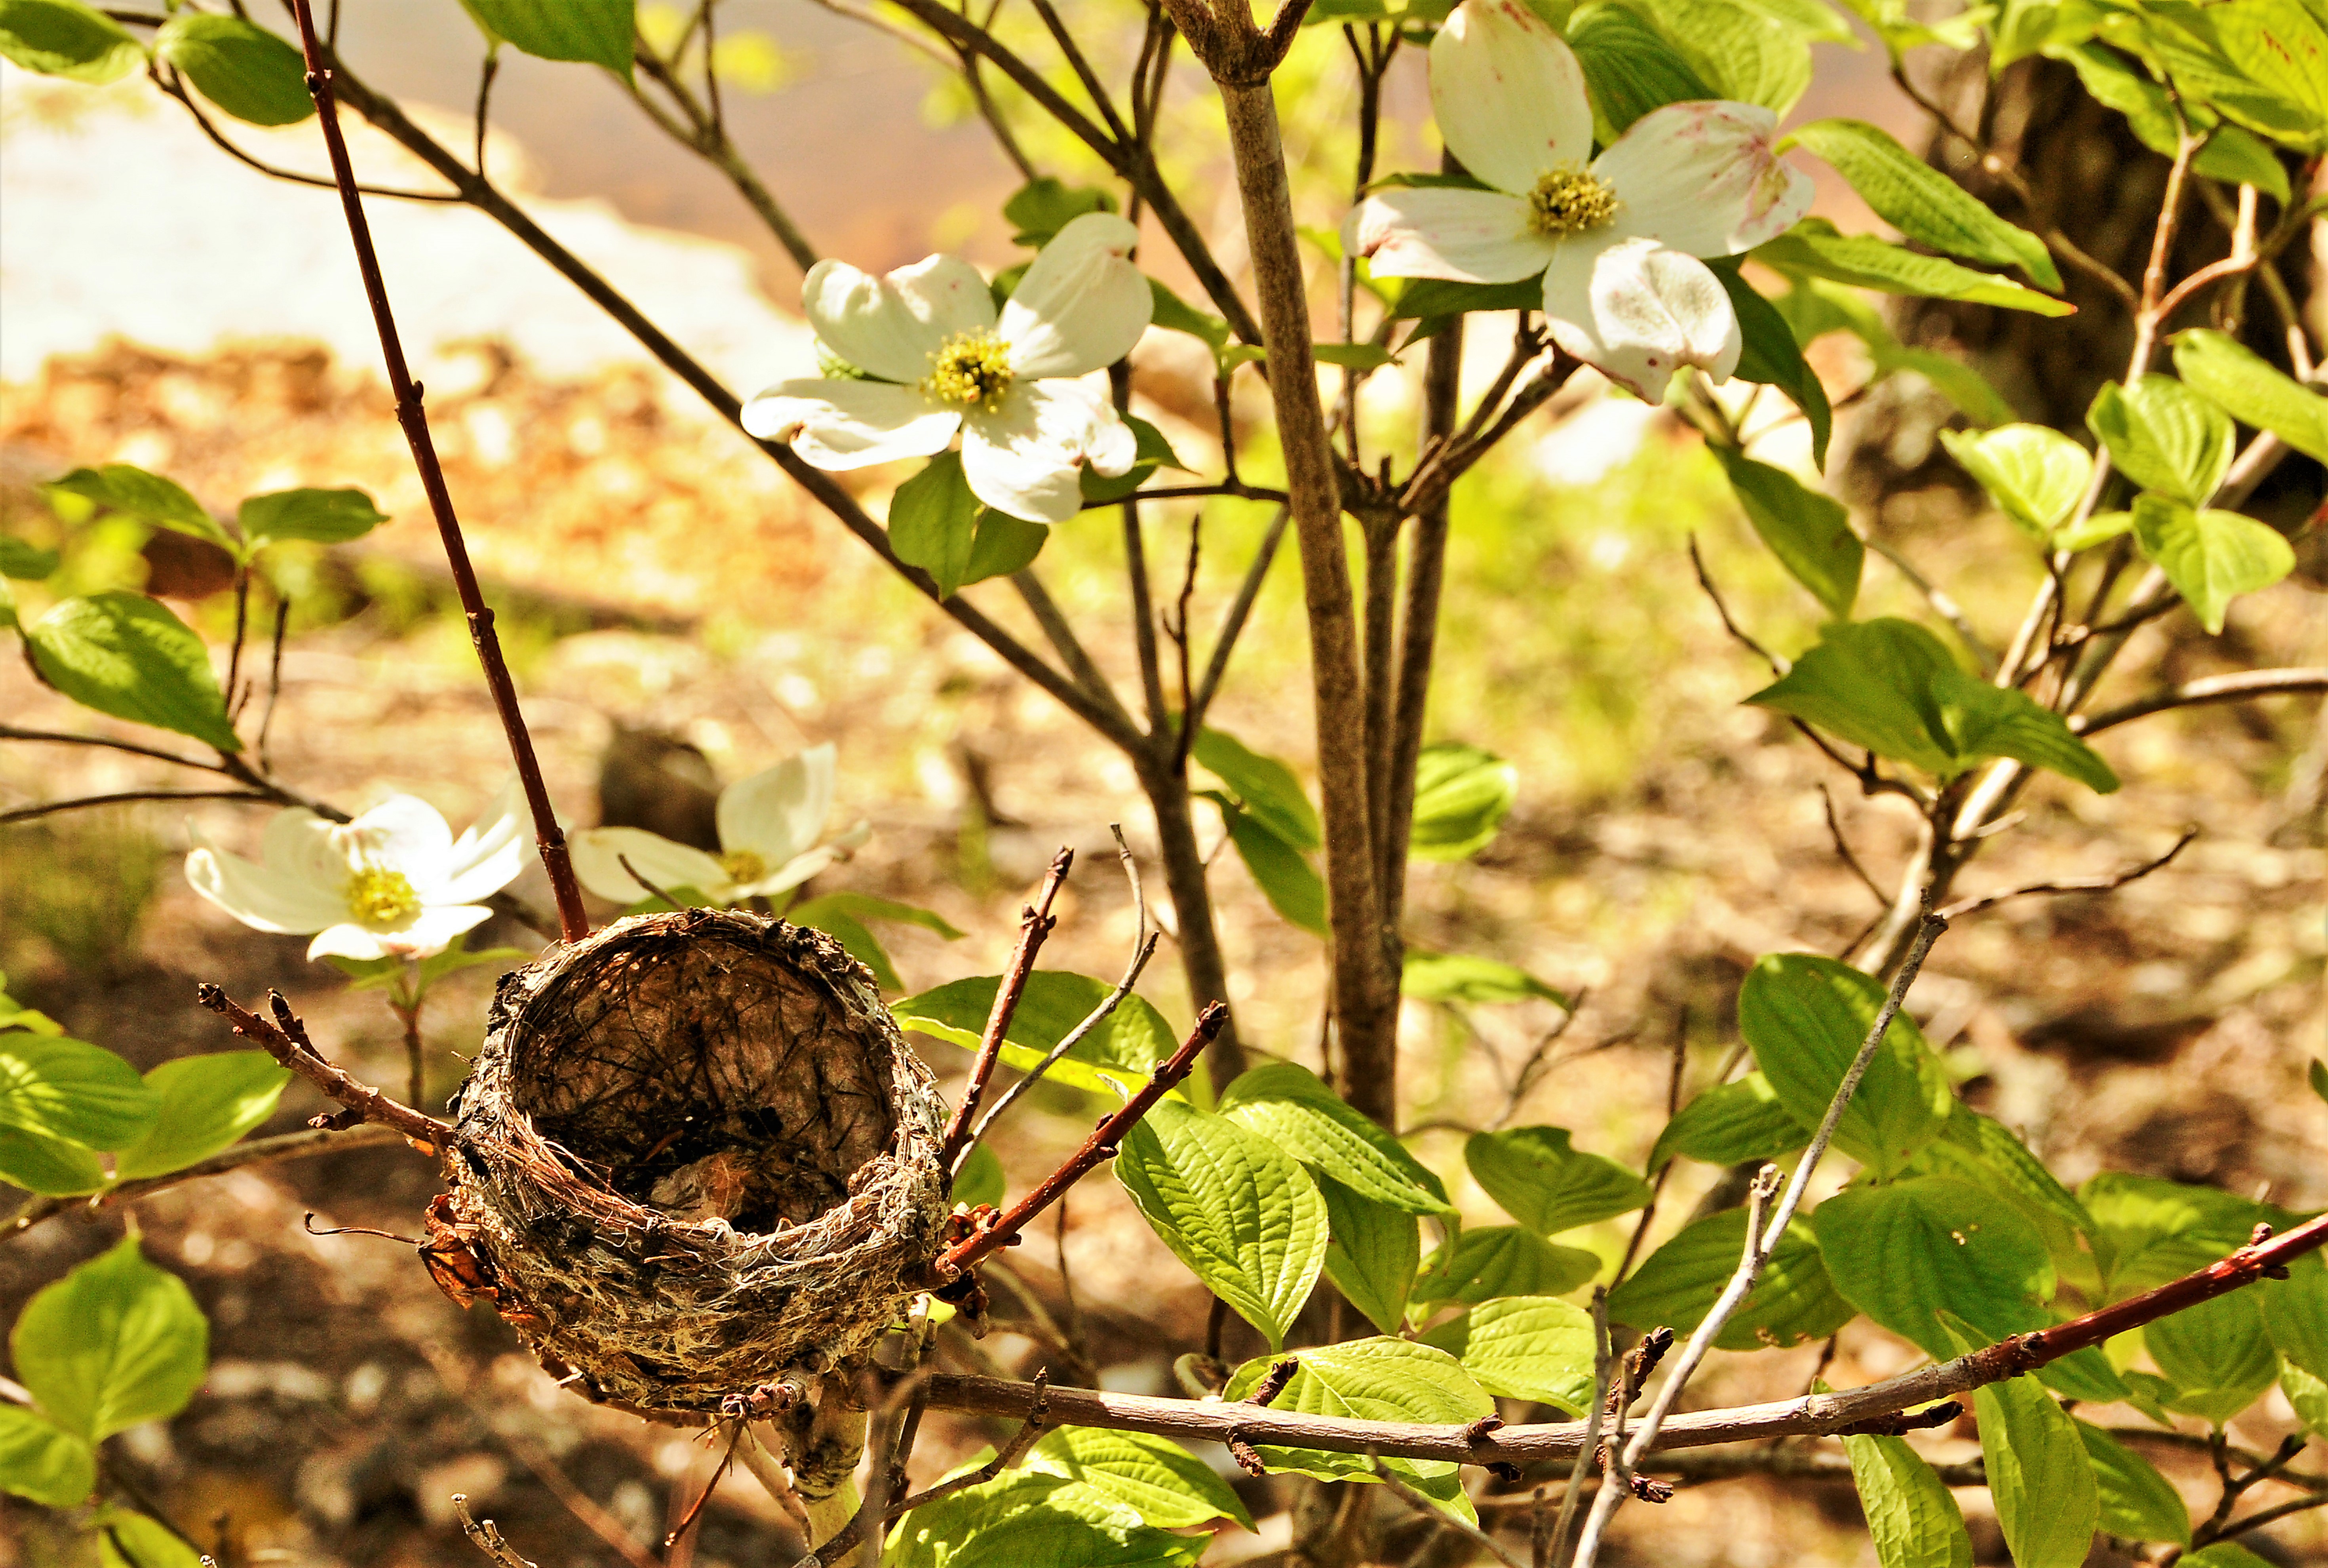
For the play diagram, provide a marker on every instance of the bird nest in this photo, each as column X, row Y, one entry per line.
column 695, row 1154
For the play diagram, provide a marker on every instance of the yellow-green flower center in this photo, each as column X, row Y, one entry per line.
column 743, row 867
column 971, row 368
column 1569, row 200
column 378, row 897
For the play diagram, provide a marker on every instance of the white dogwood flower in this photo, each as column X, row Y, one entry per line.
column 769, row 825
column 939, row 359
column 1616, row 239
column 393, row 883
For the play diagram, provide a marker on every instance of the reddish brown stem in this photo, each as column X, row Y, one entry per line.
column 548, row 836
column 1034, row 924
column 286, row 1043
column 1100, row 1145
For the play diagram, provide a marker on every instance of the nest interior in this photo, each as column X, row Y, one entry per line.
column 696, row 1152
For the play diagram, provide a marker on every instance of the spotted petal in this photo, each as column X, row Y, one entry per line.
column 890, row 325
column 1702, row 178
column 1442, row 231
column 1023, row 458
column 1638, row 312
column 841, row 425
column 1081, row 306
column 1508, row 94
column 599, row 853
column 779, row 812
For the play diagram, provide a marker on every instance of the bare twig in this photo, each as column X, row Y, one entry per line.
column 2245, row 686
column 1964, row 906
column 129, row 797
column 285, row 1039
column 1604, row 1370
column 1842, row 848
column 1943, row 603
column 259, row 1150
column 548, row 837
column 487, row 1538
column 1035, row 923
column 1438, row 1515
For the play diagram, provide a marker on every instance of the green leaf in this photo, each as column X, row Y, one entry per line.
column 1770, row 355
column 1465, row 977
column 322, row 516
column 2099, row 528
column 1500, row 1259
column 2165, row 436
column 1461, row 796
column 2307, row 1395
column 1381, row 1379
column 1173, row 314
column 933, row 519
column 1810, row 533
column 1284, row 874
column 2317, row 1076
column 2223, row 1555
column 1286, row 1103
column 1353, row 356
column 1629, row 70
column 1921, row 202
column 2216, row 1355
column 1793, row 1303
column 1263, row 785
column 1806, row 1018
column 1911, row 1517
column 980, row 1178
column 113, row 1344
column 1043, row 206
column 855, row 939
column 2280, row 47
column 127, row 1540
column 70, row 1090
column 15, row 1015
column 866, row 906
column 1813, row 248
column 1892, row 687
column 2211, row 557
column 1741, row 52
column 1524, row 1347
column 1904, row 1251
column 457, row 957
column 127, row 655
column 1237, row 1209
column 1169, row 1487
column 66, row 38
column 2229, row 374
column 2138, row 1503
column 1954, row 380
column 27, row 563
column 2035, row 475
column 1125, row 1044
column 1547, row 1185
column 592, row 31
column 1984, row 1151
column 206, row 1103
column 1730, row 1125
column 2295, row 1314
column 1001, row 544
column 38, row 1459
column 2047, row 1500
column 51, row 1167
column 1431, row 298
column 1027, row 1518
column 1373, row 1254
column 147, row 497
column 2149, row 1231
column 251, row 73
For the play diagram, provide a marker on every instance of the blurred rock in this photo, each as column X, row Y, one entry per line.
column 653, row 780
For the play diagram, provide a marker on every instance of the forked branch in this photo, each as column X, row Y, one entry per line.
column 285, row 1039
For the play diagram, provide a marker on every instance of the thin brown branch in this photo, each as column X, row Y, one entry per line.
column 171, row 88
column 2245, row 686
column 1035, row 923
column 1944, row 604
column 1439, row 1516
column 127, row 797
column 1964, row 906
column 259, row 1150
column 64, row 737
column 1233, row 626
column 1843, row 849
column 1143, row 948
column 285, row 1039
column 1099, row 1146
column 549, row 839
column 488, row 1538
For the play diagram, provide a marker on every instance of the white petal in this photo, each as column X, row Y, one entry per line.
column 788, row 875
column 346, row 940
column 599, row 853
column 491, row 851
column 1081, row 306
column 837, row 424
column 427, row 933
column 300, row 845
column 779, row 812
column 1638, row 312
column 401, row 834
column 1702, row 177
column 1023, row 458
column 891, row 325
column 1440, row 232
column 1509, row 94
column 262, row 897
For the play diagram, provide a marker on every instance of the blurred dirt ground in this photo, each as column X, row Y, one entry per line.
column 656, row 574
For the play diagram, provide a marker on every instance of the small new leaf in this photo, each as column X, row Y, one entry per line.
column 127, row 655
column 252, row 74
column 322, row 516
column 2165, row 436
column 1810, row 533
column 66, row 38
column 1546, row 1185
column 2036, row 475
column 2211, row 557
column 206, row 1103
column 1921, row 202
column 115, row 1343
column 592, row 31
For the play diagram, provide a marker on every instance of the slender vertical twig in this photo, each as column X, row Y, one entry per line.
column 548, row 836
column 1035, row 923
